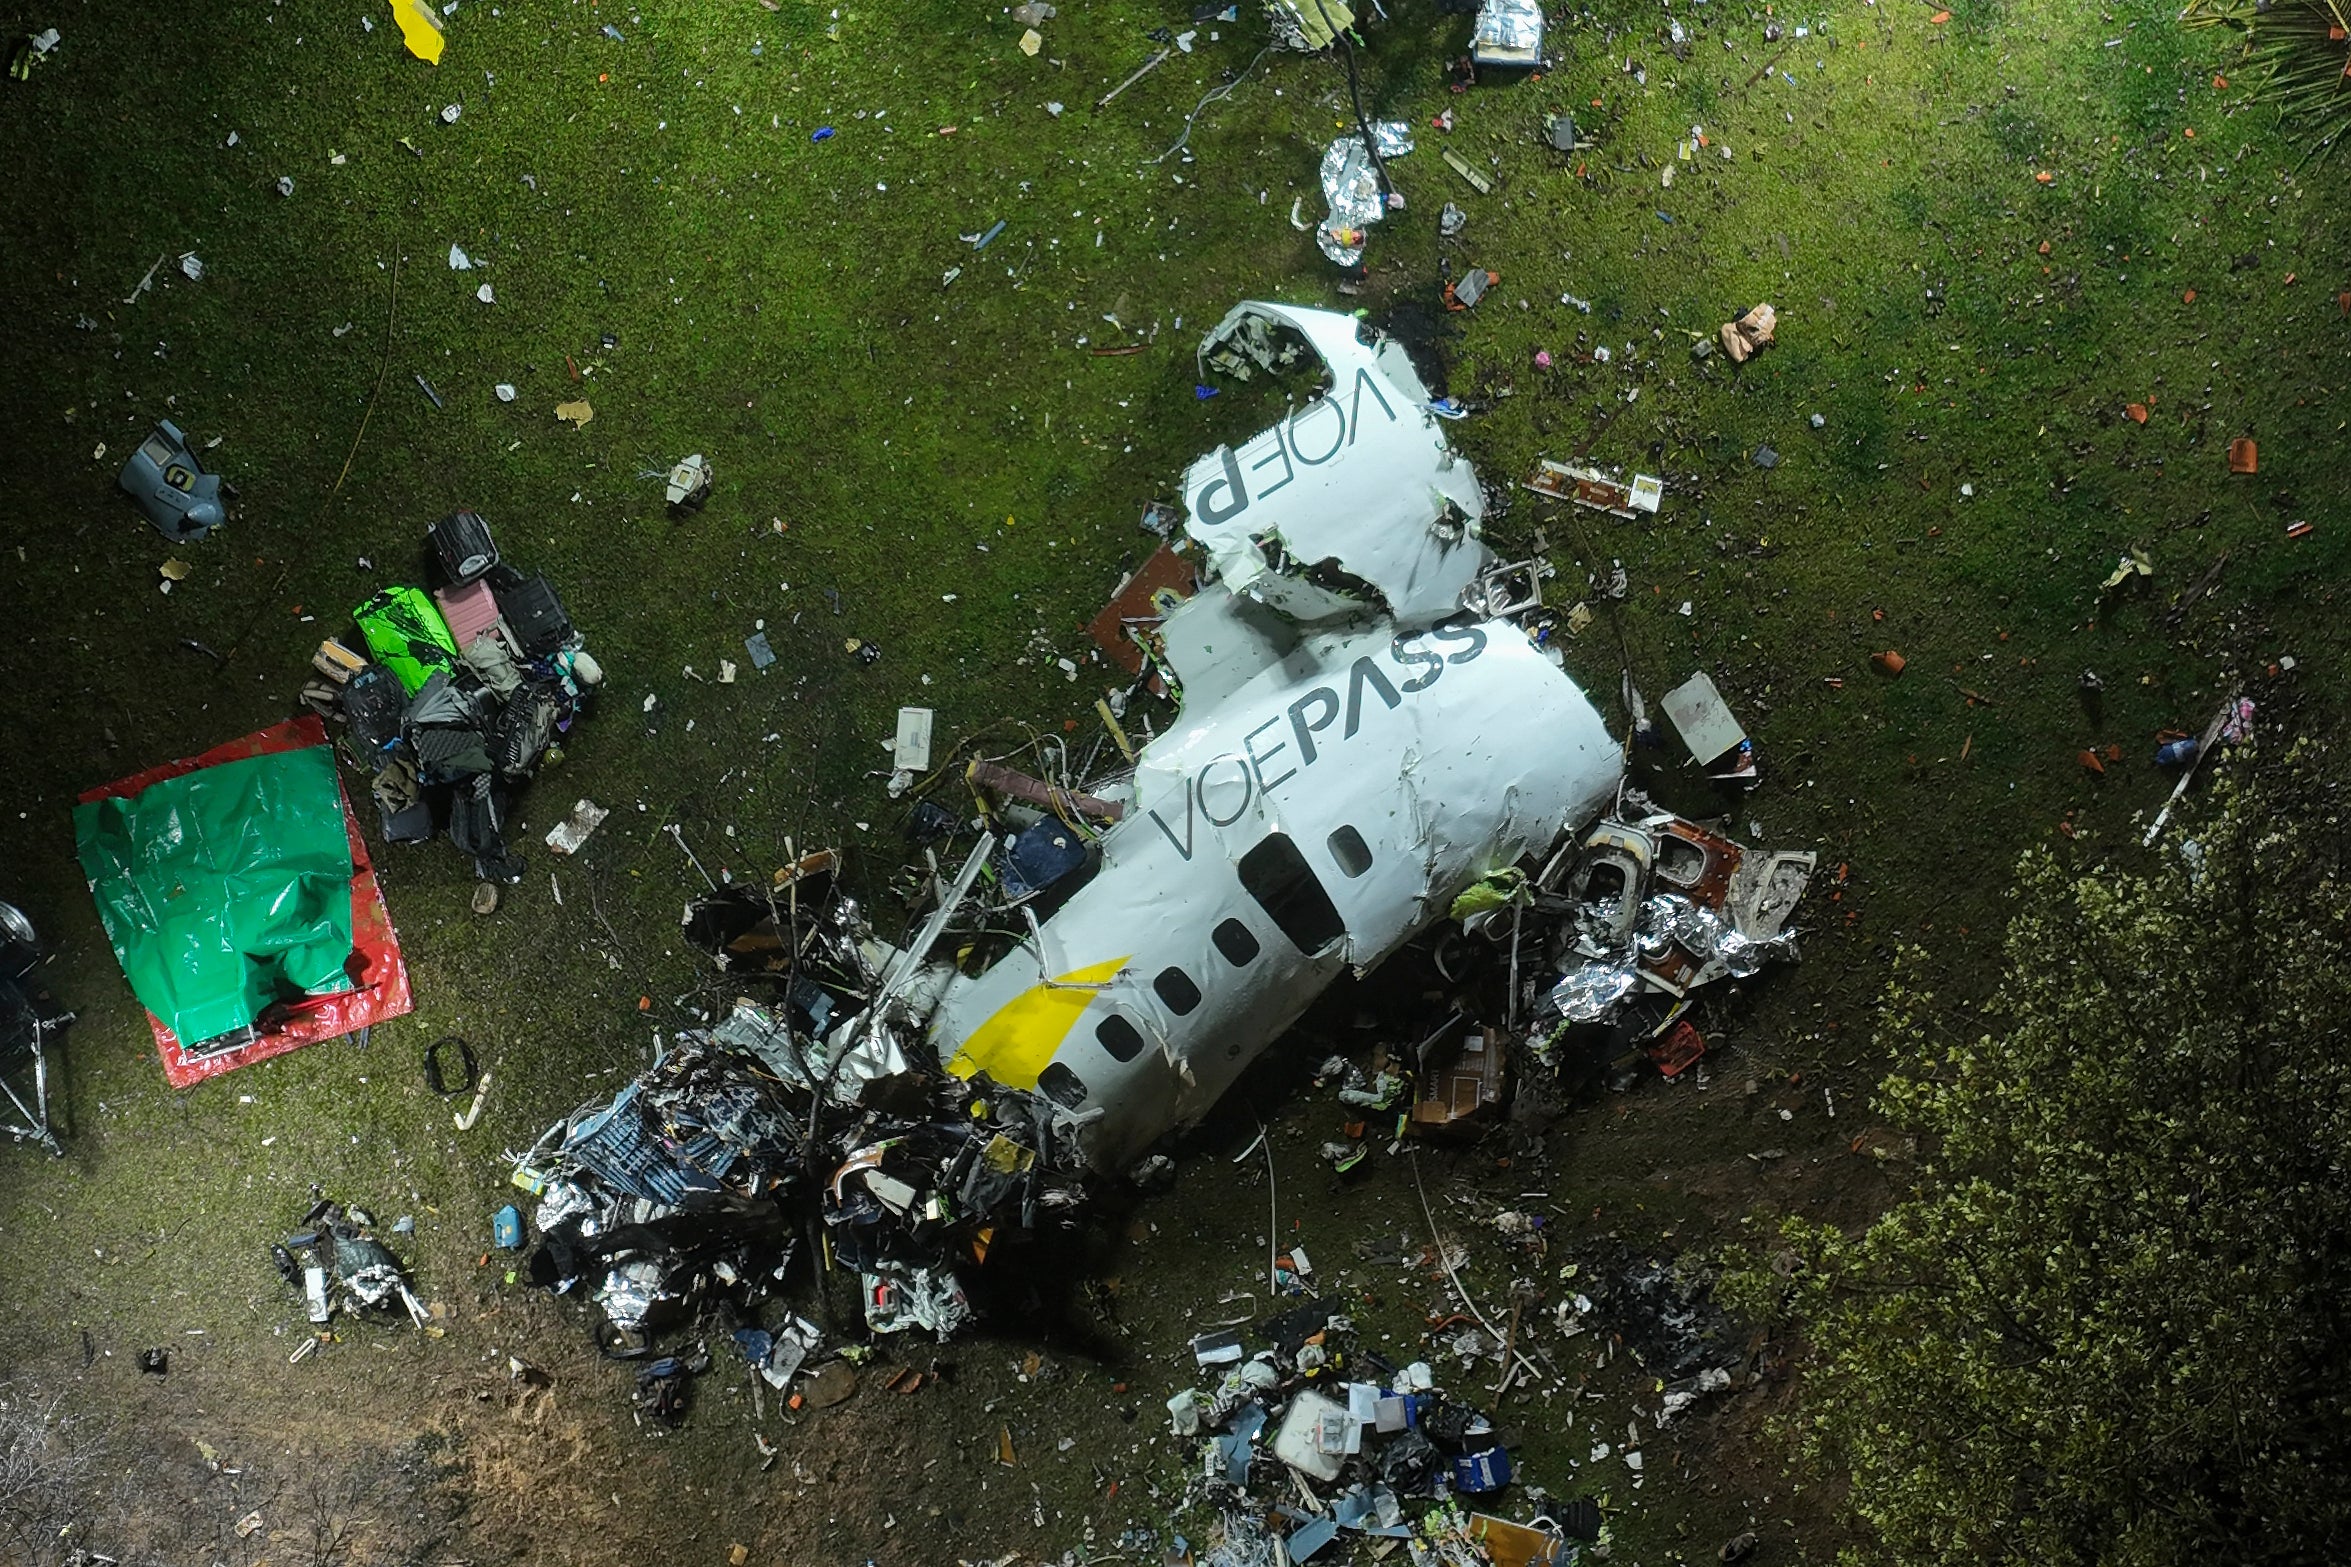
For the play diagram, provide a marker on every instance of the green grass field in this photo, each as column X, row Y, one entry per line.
column 1986, row 235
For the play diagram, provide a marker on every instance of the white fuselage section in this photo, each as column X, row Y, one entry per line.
column 1316, row 818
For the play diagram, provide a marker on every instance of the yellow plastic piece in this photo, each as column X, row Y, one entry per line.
column 420, row 29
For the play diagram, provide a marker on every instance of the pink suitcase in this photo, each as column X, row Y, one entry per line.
column 470, row 611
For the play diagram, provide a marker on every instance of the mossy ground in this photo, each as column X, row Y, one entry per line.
column 958, row 465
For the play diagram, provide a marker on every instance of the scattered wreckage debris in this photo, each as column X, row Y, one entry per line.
column 470, row 690
column 1375, row 744
column 1310, row 1440
column 171, row 487
column 1597, row 490
column 2233, row 724
column 1316, row 1436
column 1749, row 333
column 339, row 1265
column 29, row 1016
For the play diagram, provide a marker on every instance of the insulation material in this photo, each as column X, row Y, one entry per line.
column 1508, row 32
column 1351, row 185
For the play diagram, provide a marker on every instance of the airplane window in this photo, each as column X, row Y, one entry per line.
column 1175, row 987
column 1059, row 1084
column 1285, row 886
column 1352, row 853
column 1119, row 1037
column 1232, row 938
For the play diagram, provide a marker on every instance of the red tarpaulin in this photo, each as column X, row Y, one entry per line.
column 379, row 977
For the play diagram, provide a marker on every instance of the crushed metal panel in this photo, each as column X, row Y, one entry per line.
column 1216, row 643
column 1465, row 1088
column 1349, row 505
column 1140, row 605
column 1766, row 889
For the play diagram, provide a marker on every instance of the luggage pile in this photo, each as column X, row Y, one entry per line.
column 464, row 694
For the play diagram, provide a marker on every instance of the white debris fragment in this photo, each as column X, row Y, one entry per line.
column 459, row 261
column 570, row 834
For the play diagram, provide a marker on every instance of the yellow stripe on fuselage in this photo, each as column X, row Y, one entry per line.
column 1015, row 1043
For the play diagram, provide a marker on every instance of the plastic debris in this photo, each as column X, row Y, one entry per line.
column 1749, row 333
column 420, row 29
column 688, row 483
column 171, row 487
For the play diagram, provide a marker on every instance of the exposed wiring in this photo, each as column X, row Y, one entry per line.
column 1446, row 1262
column 1273, row 1216
column 1213, row 95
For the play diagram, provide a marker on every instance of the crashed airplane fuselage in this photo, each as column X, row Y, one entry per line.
column 1359, row 742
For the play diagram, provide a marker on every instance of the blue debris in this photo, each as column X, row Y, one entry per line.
column 613, row 33
column 1311, row 1537
column 506, row 1228
column 823, row 133
column 1203, row 393
column 1476, row 1473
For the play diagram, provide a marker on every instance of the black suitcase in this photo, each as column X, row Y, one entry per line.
column 462, row 541
column 531, row 611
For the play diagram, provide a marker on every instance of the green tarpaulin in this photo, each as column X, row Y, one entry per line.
column 224, row 889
